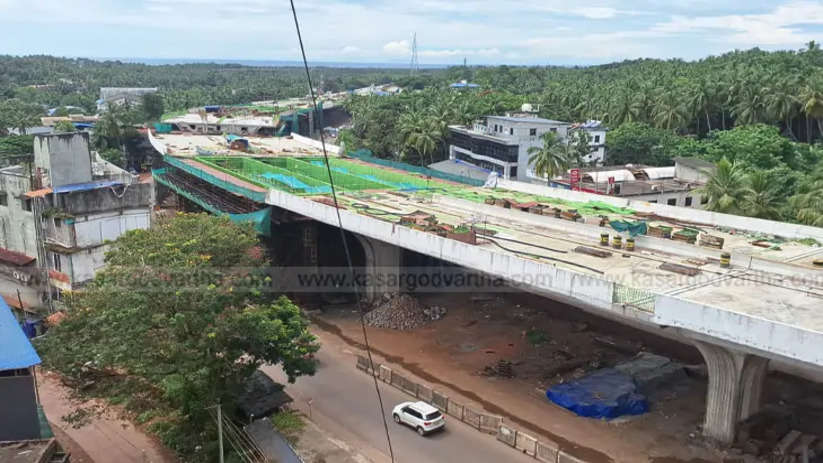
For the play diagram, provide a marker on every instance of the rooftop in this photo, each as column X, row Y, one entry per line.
column 528, row 119
column 16, row 351
column 185, row 145
column 30, row 451
column 255, row 121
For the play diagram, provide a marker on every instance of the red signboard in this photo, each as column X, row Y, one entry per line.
column 611, row 180
column 574, row 178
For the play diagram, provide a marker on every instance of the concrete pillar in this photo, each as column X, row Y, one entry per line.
column 308, row 231
column 382, row 267
column 735, row 389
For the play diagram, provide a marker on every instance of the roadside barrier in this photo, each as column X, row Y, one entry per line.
column 547, row 452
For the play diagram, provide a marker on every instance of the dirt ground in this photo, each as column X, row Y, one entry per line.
column 546, row 343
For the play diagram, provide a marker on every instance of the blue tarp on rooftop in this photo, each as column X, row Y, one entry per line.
column 86, row 186
column 15, row 349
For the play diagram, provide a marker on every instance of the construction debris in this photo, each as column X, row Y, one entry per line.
column 681, row 269
column 502, row 369
column 592, row 252
column 435, row 312
column 398, row 312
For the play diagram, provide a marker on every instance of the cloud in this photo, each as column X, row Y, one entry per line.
column 459, row 52
column 397, row 48
column 598, row 13
column 349, row 50
column 782, row 26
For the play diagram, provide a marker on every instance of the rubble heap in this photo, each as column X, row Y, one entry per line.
column 398, row 312
column 502, row 369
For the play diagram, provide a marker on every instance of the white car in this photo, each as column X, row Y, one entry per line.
column 419, row 415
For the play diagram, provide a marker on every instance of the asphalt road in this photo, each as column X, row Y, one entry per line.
column 343, row 401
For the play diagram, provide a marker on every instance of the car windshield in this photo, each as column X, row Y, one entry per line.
column 433, row 416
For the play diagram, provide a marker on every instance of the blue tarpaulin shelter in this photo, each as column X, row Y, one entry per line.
column 86, row 186
column 606, row 393
column 16, row 351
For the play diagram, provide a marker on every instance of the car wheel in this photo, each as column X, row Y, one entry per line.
column 421, row 431
column 397, row 418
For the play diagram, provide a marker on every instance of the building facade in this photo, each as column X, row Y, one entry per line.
column 57, row 214
column 501, row 143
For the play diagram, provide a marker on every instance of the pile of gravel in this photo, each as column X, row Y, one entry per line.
column 398, row 312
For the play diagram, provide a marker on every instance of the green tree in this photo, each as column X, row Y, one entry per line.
column 638, row 143
column 761, row 198
column 64, row 126
column 551, row 159
column 579, row 146
column 19, row 115
column 152, row 106
column 178, row 321
column 726, row 188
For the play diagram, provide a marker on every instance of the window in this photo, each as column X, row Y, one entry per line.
column 654, row 201
column 4, row 198
column 688, row 202
column 672, row 202
column 597, row 138
column 433, row 416
column 25, row 204
column 511, row 130
column 56, row 260
column 412, row 412
column 58, row 222
column 704, row 200
column 532, row 132
column 553, row 129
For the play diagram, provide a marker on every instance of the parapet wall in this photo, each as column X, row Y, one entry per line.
column 787, row 230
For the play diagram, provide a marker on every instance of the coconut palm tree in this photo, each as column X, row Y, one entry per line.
column 812, row 101
column 761, row 198
column 552, row 158
column 726, row 188
column 783, row 105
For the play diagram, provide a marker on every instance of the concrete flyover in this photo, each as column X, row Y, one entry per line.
column 769, row 314
column 763, row 309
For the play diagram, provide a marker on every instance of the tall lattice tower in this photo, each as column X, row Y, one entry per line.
column 414, row 66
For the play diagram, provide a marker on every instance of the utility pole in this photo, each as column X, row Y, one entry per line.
column 414, row 66
column 220, row 431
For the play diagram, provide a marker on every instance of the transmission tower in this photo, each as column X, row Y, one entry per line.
column 414, row 66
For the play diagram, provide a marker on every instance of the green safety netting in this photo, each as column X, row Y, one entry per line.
column 259, row 196
column 366, row 156
column 261, row 220
column 634, row 228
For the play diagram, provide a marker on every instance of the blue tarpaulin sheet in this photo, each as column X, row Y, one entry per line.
column 605, row 393
column 295, row 183
column 15, row 349
column 85, row 186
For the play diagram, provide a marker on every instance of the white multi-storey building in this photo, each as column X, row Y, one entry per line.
column 501, row 143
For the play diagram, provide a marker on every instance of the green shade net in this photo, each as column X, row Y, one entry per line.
column 633, row 228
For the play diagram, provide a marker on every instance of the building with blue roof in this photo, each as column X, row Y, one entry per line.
column 18, row 407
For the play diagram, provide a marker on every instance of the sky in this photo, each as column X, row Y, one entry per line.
column 557, row 32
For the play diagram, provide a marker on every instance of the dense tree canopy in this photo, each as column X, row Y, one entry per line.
column 179, row 320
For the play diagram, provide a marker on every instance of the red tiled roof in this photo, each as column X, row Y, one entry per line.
column 14, row 257
column 59, row 276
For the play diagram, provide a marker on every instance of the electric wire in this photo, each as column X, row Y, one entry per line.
column 343, row 236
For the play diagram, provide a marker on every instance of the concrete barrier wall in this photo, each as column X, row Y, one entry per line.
column 680, row 213
column 747, row 330
column 526, row 444
column 544, row 451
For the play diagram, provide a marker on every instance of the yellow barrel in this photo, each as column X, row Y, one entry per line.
column 725, row 260
column 617, row 242
column 604, row 239
column 630, row 244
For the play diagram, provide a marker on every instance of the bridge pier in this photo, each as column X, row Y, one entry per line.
column 382, row 267
column 735, row 389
